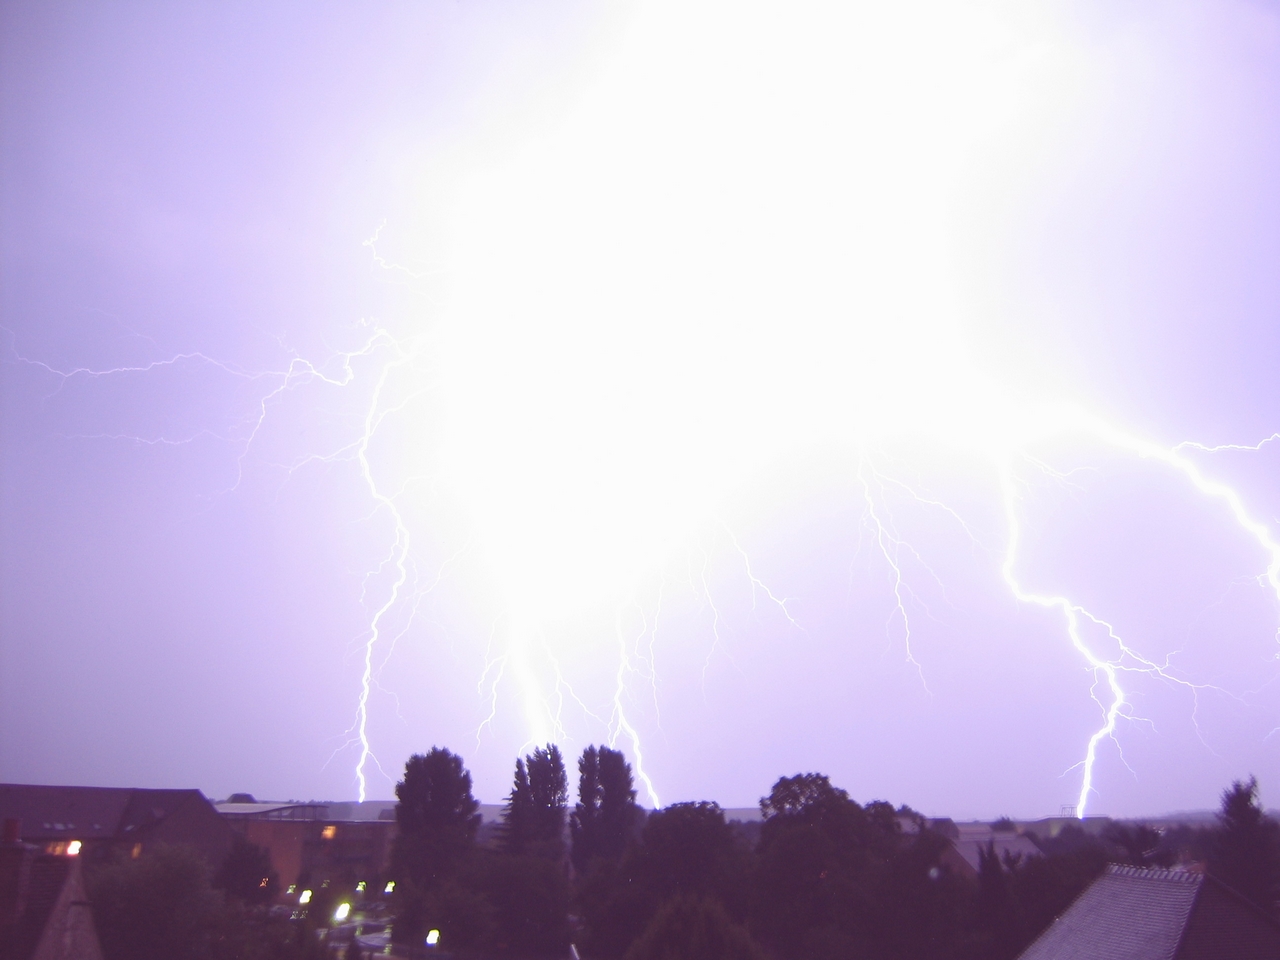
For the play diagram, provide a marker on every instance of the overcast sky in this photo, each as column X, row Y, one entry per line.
column 672, row 375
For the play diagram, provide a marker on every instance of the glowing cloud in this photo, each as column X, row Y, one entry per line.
column 728, row 250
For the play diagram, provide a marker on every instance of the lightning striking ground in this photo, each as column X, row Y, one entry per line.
column 1108, row 669
column 651, row 301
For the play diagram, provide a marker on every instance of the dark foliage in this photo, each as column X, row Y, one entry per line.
column 436, row 816
column 530, row 898
column 838, row 879
column 534, row 818
column 1139, row 844
column 1245, row 853
column 432, row 854
column 606, row 818
column 694, row 928
column 246, row 875
column 685, row 850
column 821, row 877
column 162, row 906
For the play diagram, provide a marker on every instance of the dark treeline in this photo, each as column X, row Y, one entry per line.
column 821, row 876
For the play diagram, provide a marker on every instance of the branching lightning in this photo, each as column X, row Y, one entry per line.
column 1108, row 670
column 1107, row 691
column 649, row 305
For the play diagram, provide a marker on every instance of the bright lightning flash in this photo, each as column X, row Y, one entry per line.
column 731, row 249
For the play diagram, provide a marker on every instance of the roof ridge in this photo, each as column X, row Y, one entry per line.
column 1154, row 873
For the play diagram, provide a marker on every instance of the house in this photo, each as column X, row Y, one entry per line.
column 1132, row 913
column 970, row 839
column 961, row 856
column 44, row 912
column 311, row 847
column 105, row 819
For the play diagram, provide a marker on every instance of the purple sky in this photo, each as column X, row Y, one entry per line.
column 191, row 557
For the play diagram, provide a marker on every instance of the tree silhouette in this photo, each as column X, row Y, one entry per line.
column 158, row 907
column 535, row 812
column 839, row 879
column 436, row 818
column 1246, row 851
column 246, row 873
column 516, row 816
column 691, row 928
column 687, row 849
column 606, row 817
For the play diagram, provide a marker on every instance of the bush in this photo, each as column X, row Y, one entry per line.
column 694, row 928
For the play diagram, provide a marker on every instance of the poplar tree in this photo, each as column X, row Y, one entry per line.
column 606, row 817
column 534, row 817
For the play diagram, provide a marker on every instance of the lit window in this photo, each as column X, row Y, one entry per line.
column 329, row 832
column 390, row 887
column 360, row 887
column 433, row 938
column 306, row 897
column 293, row 888
column 343, row 911
column 136, row 852
column 73, row 848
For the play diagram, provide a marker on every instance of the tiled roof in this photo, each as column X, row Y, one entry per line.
column 1126, row 914
column 1132, row 913
column 39, row 895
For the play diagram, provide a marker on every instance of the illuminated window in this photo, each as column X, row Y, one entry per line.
column 329, row 832
column 360, row 887
column 136, row 852
column 390, row 887
column 73, row 848
column 292, row 888
column 306, row 897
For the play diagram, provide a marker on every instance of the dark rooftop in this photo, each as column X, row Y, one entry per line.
column 1130, row 913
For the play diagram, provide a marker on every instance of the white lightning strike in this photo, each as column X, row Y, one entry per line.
column 618, row 722
column 889, row 546
column 1061, row 422
column 732, row 246
column 1073, row 420
column 398, row 557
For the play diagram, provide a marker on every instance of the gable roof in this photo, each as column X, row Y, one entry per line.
column 44, row 912
column 1131, row 913
column 33, row 904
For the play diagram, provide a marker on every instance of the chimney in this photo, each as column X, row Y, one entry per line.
column 12, row 830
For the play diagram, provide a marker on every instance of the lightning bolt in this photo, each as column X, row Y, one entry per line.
column 400, row 596
column 1108, row 670
column 618, row 722
column 397, row 558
